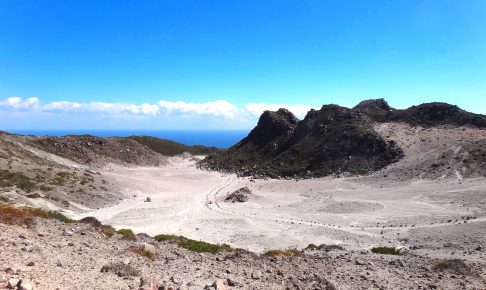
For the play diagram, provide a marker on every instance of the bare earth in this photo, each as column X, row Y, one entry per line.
column 353, row 212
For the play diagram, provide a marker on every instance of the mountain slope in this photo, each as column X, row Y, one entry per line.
column 172, row 148
column 332, row 140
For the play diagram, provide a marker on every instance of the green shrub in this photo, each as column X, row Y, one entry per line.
column 108, row 231
column 193, row 245
column 329, row 248
column 60, row 217
column 164, row 237
column 8, row 178
column 202, row 247
column 127, row 234
column 386, row 250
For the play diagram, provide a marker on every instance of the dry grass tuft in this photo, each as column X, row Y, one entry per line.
column 140, row 250
column 25, row 215
column 283, row 253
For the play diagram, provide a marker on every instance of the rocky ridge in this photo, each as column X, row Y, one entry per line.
column 98, row 151
column 333, row 140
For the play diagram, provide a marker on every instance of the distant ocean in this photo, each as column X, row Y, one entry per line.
column 216, row 138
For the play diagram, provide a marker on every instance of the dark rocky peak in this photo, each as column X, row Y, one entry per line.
column 331, row 113
column 377, row 110
column 272, row 125
column 373, row 104
column 434, row 114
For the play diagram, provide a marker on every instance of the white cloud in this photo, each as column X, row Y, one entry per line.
column 257, row 109
column 217, row 109
column 17, row 103
column 64, row 106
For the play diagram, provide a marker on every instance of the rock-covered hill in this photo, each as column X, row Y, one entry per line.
column 172, row 148
column 98, row 151
column 332, row 140
column 426, row 115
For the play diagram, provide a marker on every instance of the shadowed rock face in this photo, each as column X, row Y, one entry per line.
column 332, row 140
column 272, row 126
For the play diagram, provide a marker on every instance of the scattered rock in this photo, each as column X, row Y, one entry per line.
column 256, row 274
column 240, row 195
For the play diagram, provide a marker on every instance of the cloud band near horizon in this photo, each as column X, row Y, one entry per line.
column 219, row 108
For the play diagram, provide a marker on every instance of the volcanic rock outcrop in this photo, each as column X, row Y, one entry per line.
column 333, row 140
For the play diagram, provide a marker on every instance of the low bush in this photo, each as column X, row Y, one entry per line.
column 60, row 217
column 282, row 253
column 164, row 237
column 108, row 231
column 386, row 250
column 8, row 178
column 140, row 250
column 24, row 215
column 127, row 234
column 193, row 245
column 329, row 248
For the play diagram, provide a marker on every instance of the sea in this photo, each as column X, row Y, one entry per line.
column 216, row 138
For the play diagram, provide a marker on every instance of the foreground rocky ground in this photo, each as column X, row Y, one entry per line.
column 49, row 254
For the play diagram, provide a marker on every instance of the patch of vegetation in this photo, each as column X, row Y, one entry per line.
column 193, row 245
column 45, row 188
column 86, row 178
column 24, row 215
column 456, row 266
column 61, row 178
column 282, row 253
column 164, row 237
column 140, row 250
column 199, row 246
column 172, row 148
column 108, row 231
column 64, row 174
column 3, row 199
column 8, row 178
column 329, row 248
column 60, row 217
column 127, row 234
column 386, row 250
column 324, row 247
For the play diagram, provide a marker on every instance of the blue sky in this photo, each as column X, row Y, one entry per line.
column 217, row 64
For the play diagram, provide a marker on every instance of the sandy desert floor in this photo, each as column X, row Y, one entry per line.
column 447, row 216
